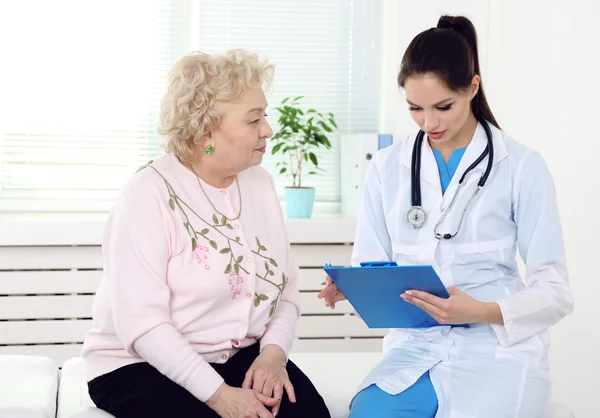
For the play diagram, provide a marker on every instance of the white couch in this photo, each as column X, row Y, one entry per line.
column 336, row 376
column 28, row 386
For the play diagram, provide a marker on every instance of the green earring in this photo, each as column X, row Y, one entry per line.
column 208, row 149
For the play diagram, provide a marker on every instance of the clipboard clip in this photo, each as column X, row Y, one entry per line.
column 378, row 264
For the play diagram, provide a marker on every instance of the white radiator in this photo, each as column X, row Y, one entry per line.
column 46, row 294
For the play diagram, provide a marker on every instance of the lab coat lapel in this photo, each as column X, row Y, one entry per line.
column 473, row 151
column 429, row 170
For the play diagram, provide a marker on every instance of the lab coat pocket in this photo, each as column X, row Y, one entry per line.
column 407, row 252
column 478, row 247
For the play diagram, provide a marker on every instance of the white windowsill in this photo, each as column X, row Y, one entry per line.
column 48, row 229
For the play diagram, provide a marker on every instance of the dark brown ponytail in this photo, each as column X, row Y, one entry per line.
column 450, row 52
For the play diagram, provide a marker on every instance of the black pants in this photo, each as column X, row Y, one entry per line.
column 141, row 391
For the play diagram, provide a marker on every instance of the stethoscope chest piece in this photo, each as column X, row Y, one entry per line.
column 416, row 216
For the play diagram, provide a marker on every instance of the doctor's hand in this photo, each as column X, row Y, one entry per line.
column 268, row 376
column 459, row 308
column 331, row 294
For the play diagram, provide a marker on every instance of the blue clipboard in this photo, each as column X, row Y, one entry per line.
column 374, row 289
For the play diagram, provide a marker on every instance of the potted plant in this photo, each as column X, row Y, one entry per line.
column 300, row 135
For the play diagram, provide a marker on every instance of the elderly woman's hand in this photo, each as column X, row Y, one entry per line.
column 331, row 293
column 230, row 402
column 268, row 375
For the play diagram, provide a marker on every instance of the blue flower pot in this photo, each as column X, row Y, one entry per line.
column 299, row 202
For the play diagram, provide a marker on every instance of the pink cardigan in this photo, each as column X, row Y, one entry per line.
column 183, row 285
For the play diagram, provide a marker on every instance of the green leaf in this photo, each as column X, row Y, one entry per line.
column 271, row 273
column 172, row 204
column 283, row 170
column 283, row 278
column 204, row 231
column 228, row 268
column 325, row 126
column 313, row 158
column 285, row 100
column 193, row 244
column 225, row 250
column 298, row 98
column 223, row 220
column 237, row 268
column 273, row 262
column 256, row 302
column 237, row 238
column 305, row 157
column 266, row 266
column 263, row 297
column 213, row 244
column 276, row 148
column 215, row 220
column 271, row 311
column 262, row 248
column 333, row 123
column 239, row 259
column 290, row 148
column 257, row 241
column 312, row 172
column 229, row 226
column 311, row 111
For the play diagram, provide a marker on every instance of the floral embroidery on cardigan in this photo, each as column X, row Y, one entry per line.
column 235, row 281
column 222, row 227
column 202, row 253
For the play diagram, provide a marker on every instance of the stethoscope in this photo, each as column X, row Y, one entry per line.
column 416, row 216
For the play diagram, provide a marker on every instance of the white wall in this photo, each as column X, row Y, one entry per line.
column 541, row 72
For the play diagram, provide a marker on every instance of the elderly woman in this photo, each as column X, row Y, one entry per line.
column 198, row 308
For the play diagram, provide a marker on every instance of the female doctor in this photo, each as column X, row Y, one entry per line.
column 462, row 196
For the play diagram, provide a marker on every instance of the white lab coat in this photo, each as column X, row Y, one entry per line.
column 489, row 371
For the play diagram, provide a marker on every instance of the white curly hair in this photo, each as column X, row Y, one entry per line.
column 198, row 81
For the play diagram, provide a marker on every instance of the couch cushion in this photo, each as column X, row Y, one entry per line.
column 73, row 398
column 28, row 386
column 335, row 375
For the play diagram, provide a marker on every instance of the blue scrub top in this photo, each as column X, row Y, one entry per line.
column 447, row 169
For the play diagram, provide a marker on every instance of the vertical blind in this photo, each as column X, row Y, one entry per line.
column 81, row 83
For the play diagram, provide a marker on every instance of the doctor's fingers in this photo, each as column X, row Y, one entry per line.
column 328, row 283
column 440, row 303
column 333, row 297
column 331, row 291
column 437, row 313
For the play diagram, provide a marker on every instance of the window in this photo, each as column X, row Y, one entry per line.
column 81, row 93
column 324, row 50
